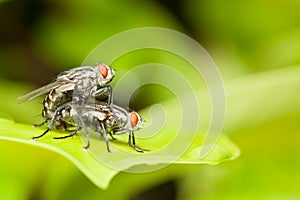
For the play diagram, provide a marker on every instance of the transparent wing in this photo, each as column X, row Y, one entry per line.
column 65, row 79
column 40, row 91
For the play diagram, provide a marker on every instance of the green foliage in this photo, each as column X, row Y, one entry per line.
column 94, row 169
column 243, row 38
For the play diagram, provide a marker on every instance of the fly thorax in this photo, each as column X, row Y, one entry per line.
column 83, row 90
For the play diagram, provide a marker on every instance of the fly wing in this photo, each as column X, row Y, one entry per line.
column 65, row 79
column 40, row 91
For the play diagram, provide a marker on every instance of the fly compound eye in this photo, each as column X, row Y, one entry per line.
column 103, row 69
column 134, row 118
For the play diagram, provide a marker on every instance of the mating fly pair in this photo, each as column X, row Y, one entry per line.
column 66, row 105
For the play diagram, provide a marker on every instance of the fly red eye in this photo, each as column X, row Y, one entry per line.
column 102, row 68
column 134, row 119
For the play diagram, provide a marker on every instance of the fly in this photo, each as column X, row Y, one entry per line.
column 106, row 120
column 76, row 85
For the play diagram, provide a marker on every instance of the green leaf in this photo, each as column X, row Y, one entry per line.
column 97, row 172
column 71, row 149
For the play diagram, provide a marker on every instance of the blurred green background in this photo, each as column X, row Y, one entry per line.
column 256, row 39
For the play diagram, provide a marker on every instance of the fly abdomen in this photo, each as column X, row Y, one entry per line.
column 53, row 100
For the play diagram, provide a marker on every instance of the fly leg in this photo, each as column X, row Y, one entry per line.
column 101, row 133
column 78, row 100
column 109, row 100
column 105, row 136
column 47, row 130
column 41, row 124
column 81, row 124
column 70, row 135
column 52, row 121
column 112, row 137
column 133, row 145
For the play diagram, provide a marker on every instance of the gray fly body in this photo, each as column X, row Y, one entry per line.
column 76, row 98
column 92, row 79
column 104, row 119
column 76, row 85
